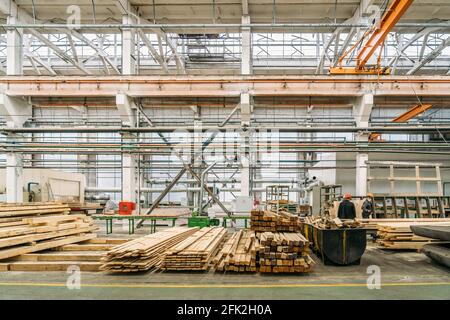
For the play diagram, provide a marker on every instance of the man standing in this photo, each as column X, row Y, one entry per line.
column 347, row 208
column 367, row 206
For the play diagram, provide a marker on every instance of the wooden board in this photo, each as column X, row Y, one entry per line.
column 196, row 252
column 284, row 253
column 85, row 266
column 32, row 227
column 238, row 254
column 398, row 234
column 15, row 251
column 145, row 253
column 268, row 221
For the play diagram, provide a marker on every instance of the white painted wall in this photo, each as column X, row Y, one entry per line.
column 346, row 177
column 64, row 185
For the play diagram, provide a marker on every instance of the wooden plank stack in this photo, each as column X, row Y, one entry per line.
column 196, row 252
column 372, row 224
column 85, row 255
column 398, row 235
column 26, row 228
column 284, row 252
column 144, row 253
column 268, row 221
column 326, row 222
column 239, row 253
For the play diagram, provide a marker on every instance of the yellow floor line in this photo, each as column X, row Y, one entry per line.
column 213, row 286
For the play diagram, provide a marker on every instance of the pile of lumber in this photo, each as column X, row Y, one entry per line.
column 372, row 224
column 239, row 253
column 85, row 255
column 268, row 221
column 326, row 222
column 284, row 252
column 144, row 253
column 12, row 213
column 398, row 235
column 87, row 208
column 196, row 252
column 26, row 228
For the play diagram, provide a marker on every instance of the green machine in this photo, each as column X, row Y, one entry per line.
column 202, row 221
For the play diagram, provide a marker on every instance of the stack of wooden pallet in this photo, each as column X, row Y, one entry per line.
column 144, row 253
column 196, row 252
column 268, row 221
column 239, row 253
column 398, row 235
column 284, row 252
column 26, row 228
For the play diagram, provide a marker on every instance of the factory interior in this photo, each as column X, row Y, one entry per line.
column 225, row 149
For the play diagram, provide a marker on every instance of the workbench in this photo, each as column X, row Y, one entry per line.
column 131, row 219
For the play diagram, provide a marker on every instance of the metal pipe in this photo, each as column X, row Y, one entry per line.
column 175, row 190
column 167, row 27
column 224, row 122
column 391, row 128
column 202, row 186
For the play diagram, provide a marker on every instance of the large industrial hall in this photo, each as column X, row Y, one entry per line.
column 225, row 149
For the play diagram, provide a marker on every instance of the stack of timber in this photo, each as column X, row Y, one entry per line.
column 196, row 252
column 144, row 253
column 239, row 253
column 85, row 255
column 398, row 235
column 86, row 208
column 26, row 228
column 326, row 222
column 268, row 221
column 372, row 224
column 284, row 252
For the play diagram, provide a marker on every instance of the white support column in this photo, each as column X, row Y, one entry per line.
column 126, row 109
column 85, row 161
column 362, row 111
column 246, row 56
column 129, row 177
column 14, row 51
column 14, row 178
column 128, row 40
column 16, row 111
column 361, row 174
column 246, row 110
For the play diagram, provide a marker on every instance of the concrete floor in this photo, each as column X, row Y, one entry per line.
column 404, row 275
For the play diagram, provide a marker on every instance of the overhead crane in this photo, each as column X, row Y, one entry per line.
column 372, row 40
column 404, row 117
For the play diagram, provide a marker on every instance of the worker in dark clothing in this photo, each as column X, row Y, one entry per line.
column 367, row 206
column 347, row 208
